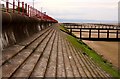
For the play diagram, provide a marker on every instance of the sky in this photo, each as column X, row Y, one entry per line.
column 79, row 10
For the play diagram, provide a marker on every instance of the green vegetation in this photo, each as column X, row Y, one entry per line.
column 103, row 63
column 61, row 27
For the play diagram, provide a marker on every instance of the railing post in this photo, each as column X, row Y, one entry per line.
column 25, row 9
column 7, row 6
column 18, row 7
column 22, row 8
column 28, row 10
column 13, row 6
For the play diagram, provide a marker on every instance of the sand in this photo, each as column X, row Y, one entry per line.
column 108, row 49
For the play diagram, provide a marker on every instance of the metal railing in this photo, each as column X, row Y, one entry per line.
column 24, row 9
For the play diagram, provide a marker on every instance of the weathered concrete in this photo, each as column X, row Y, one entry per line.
column 16, row 27
column 48, row 54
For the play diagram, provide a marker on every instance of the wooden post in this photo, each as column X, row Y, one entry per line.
column 98, row 33
column 90, row 33
column 71, row 31
column 117, row 34
column 80, row 33
column 95, row 26
column 107, row 33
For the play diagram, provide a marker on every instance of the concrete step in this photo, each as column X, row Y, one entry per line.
column 13, row 50
column 13, row 64
column 49, row 54
column 61, row 72
column 94, row 67
column 52, row 62
column 68, row 67
column 75, row 69
column 86, row 66
column 96, row 70
column 85, row 70
column 28, row 66
column 40, row 69
column 79, row 67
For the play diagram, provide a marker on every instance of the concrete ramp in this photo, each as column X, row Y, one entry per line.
column 48, row 54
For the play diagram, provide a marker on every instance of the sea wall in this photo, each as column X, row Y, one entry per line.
column 16, row 27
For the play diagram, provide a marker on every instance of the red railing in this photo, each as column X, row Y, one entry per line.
column 25, row 10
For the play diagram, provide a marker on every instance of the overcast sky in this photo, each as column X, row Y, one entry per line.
column 77, row 10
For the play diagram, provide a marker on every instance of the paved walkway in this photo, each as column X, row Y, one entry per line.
column 48, row 54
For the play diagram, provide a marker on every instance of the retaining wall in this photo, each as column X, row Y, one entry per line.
column 16, row 27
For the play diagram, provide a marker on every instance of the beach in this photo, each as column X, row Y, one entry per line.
column 108, row 49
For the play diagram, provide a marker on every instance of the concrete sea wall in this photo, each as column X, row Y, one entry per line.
column 16, row 28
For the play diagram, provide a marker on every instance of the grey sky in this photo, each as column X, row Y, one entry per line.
column 102, row 10
column 80, row 9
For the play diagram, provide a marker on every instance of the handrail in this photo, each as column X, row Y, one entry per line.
column 25, row 10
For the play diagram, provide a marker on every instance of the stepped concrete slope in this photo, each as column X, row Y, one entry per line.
column 48, row 54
